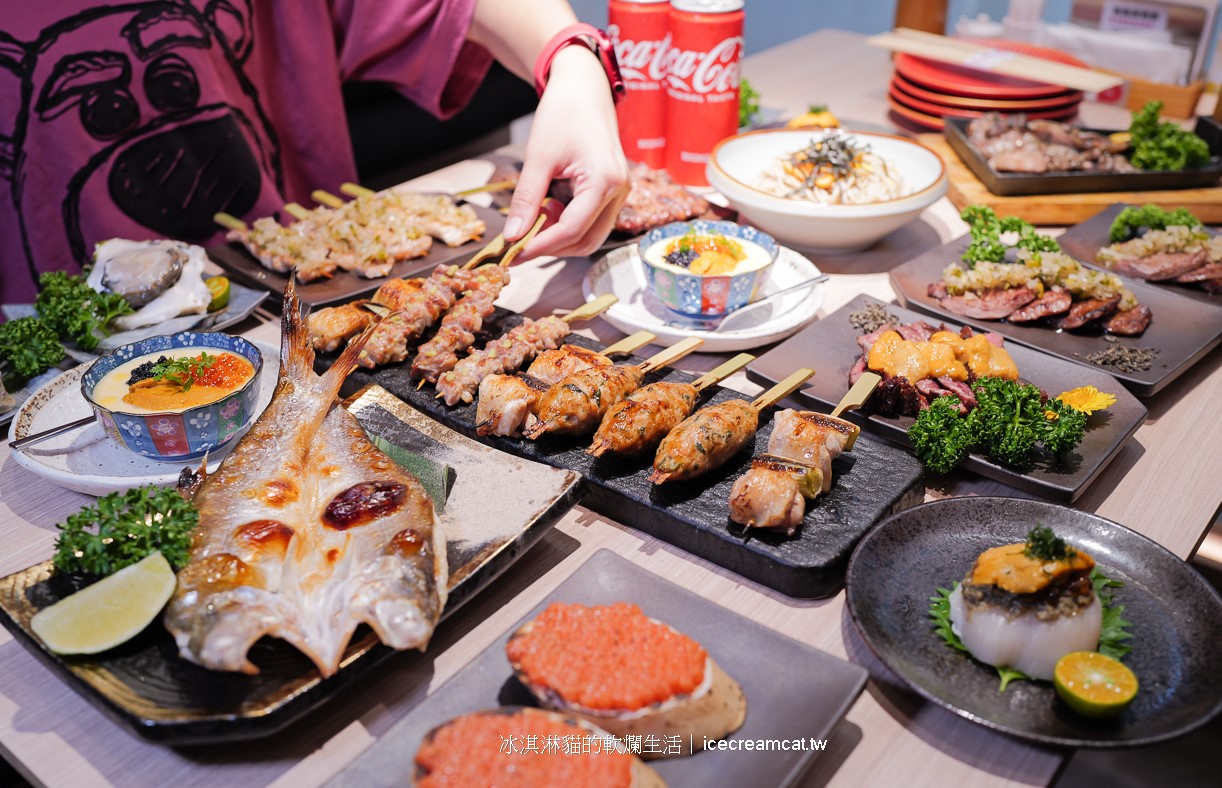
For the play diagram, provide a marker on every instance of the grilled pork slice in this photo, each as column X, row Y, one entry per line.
column 774, row 492
column 627, row 673
column 988, row 304
column 1131, row 323
column 479, row 749
column 1053, row 302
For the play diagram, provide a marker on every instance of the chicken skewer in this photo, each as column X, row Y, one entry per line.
column 640, row 422
column 513, row 349
column 281, row 248
column 711, row 436
column 798, row 464
column 577, row 404
column 435, row 214
column 508, row 403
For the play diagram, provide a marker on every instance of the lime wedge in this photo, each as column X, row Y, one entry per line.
column 1094, row 685
column 111, row 611
column 218, row 286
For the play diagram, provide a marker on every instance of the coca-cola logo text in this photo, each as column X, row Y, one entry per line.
column 715, row 71
column 640, row 61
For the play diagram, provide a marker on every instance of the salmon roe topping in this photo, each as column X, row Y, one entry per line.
column 493, row 748
column 227, row 372
column 607, row 658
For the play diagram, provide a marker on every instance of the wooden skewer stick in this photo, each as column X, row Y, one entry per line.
column 491, row 249
column 722, row 371
column 783, row 389
column 495, row 186
column 356, row 190
column 856, row 396
column 230, row 222
column 591, row 309
column 671, row 354
column 297, row 211
column 327, row 198
column 629, row 344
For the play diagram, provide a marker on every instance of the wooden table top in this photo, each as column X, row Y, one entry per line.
column 1163, row 484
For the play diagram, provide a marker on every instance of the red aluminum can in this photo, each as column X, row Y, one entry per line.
column 703, row 67
column 638, row 29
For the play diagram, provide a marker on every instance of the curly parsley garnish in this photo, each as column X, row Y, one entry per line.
column 987, row 227
column 1045, row 545
column 122, row 528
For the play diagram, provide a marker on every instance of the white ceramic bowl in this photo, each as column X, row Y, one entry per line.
column 737, row 163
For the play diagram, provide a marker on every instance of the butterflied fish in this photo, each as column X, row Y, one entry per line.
column 307, row 530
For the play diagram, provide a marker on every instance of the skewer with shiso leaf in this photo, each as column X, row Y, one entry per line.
column 509, row 404
column 508, row 352
column 797, row 466
column 712, row 435
column 577, row 404
column 640, row 422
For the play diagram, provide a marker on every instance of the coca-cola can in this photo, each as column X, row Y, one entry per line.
column 702, row 74
column 638, row 29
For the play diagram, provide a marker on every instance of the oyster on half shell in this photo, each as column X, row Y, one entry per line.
column 160, row 279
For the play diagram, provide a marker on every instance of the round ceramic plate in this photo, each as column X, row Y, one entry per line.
column 976, row 83
column 621, row 272
column 896, row 93
column 1176, row 620
column 86, row 460
column 985, row 105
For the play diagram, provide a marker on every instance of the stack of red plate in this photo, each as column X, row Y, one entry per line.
column 924, row 91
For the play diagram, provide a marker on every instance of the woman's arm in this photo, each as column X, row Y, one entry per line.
column 574, row 135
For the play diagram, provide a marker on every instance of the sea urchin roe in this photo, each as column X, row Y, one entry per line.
column 472, row 750
column 607, row 658
column 1012, row 569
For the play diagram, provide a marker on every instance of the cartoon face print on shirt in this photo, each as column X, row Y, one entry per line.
column 144, row 105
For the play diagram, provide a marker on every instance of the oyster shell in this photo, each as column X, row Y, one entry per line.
column 160, row 279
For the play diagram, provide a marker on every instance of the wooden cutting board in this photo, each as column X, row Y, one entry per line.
column 1063, row 209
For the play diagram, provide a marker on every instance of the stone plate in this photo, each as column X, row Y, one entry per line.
column 801, row 694
column 1183, row 331
column 146, row 686
column 830, row 346
column 871, row 482
column 1176, row 621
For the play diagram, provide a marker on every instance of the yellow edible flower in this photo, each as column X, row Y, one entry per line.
column 1087, row 399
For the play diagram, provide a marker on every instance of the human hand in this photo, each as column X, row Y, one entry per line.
column 574, row 137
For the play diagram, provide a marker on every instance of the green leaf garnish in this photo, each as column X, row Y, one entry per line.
column 125, row 527
column 1045, row 545
column 185, row 371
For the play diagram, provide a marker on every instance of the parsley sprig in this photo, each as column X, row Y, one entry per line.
column 185, row 371
column 124, row 527
column 987, row 227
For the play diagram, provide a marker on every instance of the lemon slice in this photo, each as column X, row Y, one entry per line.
column 1094, row 685
column 111, row 611
column 218, row 286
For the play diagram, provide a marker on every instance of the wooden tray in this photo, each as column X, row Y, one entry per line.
column 965, row 189
column 871, row 482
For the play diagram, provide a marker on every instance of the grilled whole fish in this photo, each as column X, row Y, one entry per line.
column 308, row 530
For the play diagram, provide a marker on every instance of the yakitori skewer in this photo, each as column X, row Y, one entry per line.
column 640, row 422
column 508, row 403
column 435, row 214
column 577, row 404
column 512, row 349
column 797, row 466
column 712, row 435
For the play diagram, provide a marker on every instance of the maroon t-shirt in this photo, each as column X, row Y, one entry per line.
column 144, row 119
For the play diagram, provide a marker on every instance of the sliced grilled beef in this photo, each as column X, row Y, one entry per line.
column 919, row 331
column 1131, row 323
column 896, row 396
column 990, row 304
column 866, row 341
column 858, row 369
column 1087, row 311
column 1203, row 274
column 1161, row 265
column 1052, row 302
column 937, row 289
column 1027, row 158
column 961, row 390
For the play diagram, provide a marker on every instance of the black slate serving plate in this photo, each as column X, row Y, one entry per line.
column 1182, row 330
column 801, row 695
column 830, row 346
column 1176, row 621
column 345, row 286
column 1074, row 182
column 146, row 686
column 871, row 482
column 1085, row 239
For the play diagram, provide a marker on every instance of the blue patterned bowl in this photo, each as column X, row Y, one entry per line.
column 189, row 435
column 700, row 296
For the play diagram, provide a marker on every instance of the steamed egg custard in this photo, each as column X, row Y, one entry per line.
column 707, row 254
column 171, row 381
column 946, row 354
column 1026, row 605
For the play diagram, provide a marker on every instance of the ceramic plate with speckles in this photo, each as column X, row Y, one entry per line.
column 1176, row 621
column 86, row 460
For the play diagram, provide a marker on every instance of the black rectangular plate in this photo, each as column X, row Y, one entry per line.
column 146, row 686
column 345, row 286
column 830, row 346
column 871, row 482
column 1085, row 239
column 801, row 693
column 1183, row 330
column 1013, row 184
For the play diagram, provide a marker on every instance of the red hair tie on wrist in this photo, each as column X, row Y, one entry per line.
column 589, row 36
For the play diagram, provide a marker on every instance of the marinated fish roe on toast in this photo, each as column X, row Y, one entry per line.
column 470, row 750
column 607, row 658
